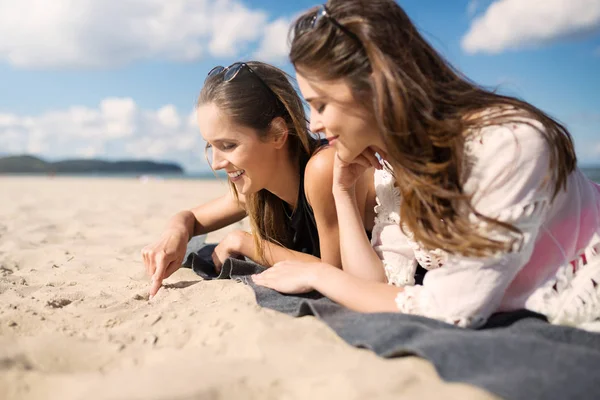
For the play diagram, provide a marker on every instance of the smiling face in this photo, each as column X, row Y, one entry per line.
column 335, row 113
column 249, row 162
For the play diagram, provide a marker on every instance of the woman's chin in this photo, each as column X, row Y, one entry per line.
column 243, row 187
column 347, row 155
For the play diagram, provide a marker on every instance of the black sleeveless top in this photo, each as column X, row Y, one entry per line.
column 302, row 227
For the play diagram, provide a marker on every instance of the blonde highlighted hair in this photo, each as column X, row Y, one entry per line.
column 249, row 103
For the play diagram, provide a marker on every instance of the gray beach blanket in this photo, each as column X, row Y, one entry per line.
column 516, row 355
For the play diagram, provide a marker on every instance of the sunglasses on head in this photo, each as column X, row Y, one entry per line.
column 229, row 74
column 323, row 13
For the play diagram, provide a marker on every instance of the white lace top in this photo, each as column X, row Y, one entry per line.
column 555, row 270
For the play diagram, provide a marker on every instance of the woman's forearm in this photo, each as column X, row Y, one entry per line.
column 358, row 257
column 208, row 217
column 273, row 253
column 353, row 292
column 184, row 220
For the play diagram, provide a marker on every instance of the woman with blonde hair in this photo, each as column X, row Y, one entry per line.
column 254, row 124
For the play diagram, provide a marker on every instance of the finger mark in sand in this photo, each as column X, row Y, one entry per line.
column 18, row 361
column 177, row 285
column 112, row 322
column 150, row 339
column 5, row 271
column 58, row 303
column 158, row 318
column 180, row 285
column 142, row 296
column 15, row 280
column 60, row 284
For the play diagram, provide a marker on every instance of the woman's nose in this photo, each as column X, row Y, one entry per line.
column 316, row 126
column 218, row 161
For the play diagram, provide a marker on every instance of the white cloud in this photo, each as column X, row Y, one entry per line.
column 116, row 129
column 513, row 24
column 169, row 117
column 274, row 45
column 38, row 34
column 234, row 24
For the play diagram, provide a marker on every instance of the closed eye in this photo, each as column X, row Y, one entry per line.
column 223, row 146
column 228, row 146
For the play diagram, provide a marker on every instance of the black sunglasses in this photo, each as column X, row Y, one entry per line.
column 323, row 13
column 229, row 74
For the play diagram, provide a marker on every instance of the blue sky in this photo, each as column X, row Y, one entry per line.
column 118, row 78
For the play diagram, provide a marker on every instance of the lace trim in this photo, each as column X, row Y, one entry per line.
column 428, row 259
column 573, row 296
column 387, row 210
column 400, row 271
column 416, row 301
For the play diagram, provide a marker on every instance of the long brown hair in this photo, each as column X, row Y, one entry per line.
column 250, row 103
column 423, row 108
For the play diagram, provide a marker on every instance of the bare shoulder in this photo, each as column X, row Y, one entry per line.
column 318, row 175
column 321, row 161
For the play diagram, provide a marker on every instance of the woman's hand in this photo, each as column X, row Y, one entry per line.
column 165, row 256
column 357, row 294
column 292, row 277
column 346, row 174
column 231, row 246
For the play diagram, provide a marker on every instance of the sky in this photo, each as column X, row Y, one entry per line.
column 118, row 79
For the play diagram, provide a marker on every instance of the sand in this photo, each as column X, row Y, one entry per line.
column 75, row 322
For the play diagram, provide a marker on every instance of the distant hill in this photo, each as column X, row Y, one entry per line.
column 34, row 165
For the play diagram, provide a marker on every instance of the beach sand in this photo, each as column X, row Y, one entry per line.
column 75, row 322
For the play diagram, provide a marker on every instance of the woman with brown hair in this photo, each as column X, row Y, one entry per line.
column 254, row 124
column 480, row 189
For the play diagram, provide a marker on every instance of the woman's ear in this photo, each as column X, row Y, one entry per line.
column 279, row 132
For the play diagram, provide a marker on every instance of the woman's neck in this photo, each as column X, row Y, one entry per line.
column 286, row 181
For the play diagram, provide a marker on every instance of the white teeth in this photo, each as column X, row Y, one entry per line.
column 235, row 174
